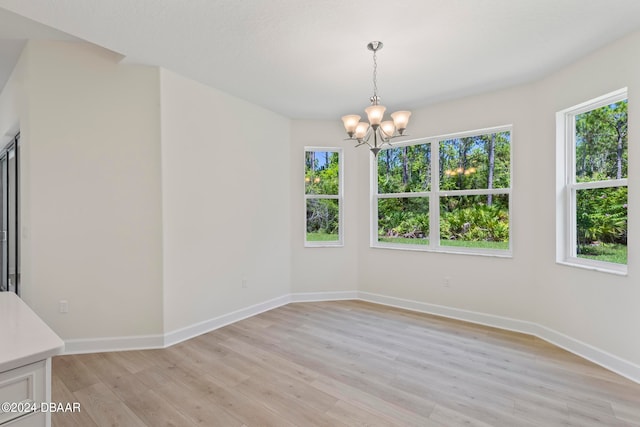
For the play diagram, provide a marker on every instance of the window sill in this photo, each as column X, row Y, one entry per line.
column 324, row 245
column 445, row 250
column 602, row 269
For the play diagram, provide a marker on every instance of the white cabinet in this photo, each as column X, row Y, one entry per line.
column 22, row 388
column 27, row 345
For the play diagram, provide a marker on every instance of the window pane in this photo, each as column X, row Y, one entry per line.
column 601, row 224
column 323, row 220
column 321, row 175
column 475, row 221
column 404, row 169
column 601, row 143
column 475, row 162
column 404, row 220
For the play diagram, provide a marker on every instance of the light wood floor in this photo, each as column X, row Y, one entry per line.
column 345, row 363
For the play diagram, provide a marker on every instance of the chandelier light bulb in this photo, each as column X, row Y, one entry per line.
column 375, row 113
column 401, row 120
column 350, row 123
column 388, row 129
column 361, row 130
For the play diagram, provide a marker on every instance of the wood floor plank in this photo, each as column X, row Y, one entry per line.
column 153, row 377
column 155, row 410
column 296, row 391
column 198, row 409
column 383, row 409
column 132, row 361
column 294, row 410
column 262, row 358
column 352, row 415
column 345, row 363
column 73, row 372
column 449, row 417
column 121, row 382
column 252, row 412
column 542, row 411
column 218, row 367
column 104, row 407
column 627, row 412
column 60, row 393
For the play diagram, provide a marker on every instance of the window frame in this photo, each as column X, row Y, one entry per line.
column 10, row 216
column 567, row 187
column 435, row 194
column 339, row 197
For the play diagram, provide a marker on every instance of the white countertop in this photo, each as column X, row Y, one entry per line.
column 24, row 337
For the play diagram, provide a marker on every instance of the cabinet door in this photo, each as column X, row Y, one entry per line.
column 24, row 384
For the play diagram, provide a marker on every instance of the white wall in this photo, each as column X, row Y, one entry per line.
column 91, row 206
column 108, row 192
column 492, row 285
column 324, row 269
column 11, row 98
column 225, row 180
column 485, row 284
column 597, row 308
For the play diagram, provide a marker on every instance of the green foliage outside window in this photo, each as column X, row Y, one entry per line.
column 602, row 224
column 472, row 219
column 601, row 155
column 601, row 143
column 404, row 220
column 321, row 174
column 323, row 221
column 475, row 162
column 322, row 177
column 405, row 169
column 469, row 163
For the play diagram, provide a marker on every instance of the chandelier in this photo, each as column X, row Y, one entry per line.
column 377, row 132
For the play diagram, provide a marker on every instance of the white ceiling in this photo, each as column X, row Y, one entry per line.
column 15, row 30
column 308, row 59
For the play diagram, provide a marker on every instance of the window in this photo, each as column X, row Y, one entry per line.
column 592, row 184
column 9, row 217
column 449, row 193
column 323, row 196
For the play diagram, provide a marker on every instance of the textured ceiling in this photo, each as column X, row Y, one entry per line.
column 308, row 59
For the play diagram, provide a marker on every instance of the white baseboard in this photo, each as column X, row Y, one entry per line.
column 324, row 296
column 587, row 351
column 146, row 342
column 600, row 357
column 100, row 345
column 191, row 331
column 452, row 313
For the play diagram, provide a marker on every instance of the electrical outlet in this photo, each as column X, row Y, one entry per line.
column 446, row 282
column 244, row 283
column 64, row 306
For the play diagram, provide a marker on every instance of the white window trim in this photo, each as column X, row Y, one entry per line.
column 566, row 186
column 434, row 198
column 339, row 197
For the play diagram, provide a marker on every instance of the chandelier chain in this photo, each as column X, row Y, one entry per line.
column 375, row 76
